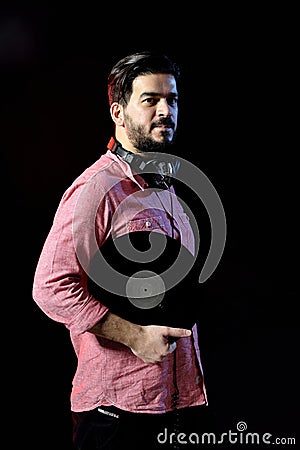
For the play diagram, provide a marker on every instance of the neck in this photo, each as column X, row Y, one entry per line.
column 121, row 137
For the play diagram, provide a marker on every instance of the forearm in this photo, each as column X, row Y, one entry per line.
column 117, row 329
column 151, row 343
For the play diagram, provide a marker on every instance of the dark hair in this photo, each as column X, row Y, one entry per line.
column 127, row 69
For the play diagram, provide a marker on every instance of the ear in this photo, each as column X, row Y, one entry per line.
column 116, row 112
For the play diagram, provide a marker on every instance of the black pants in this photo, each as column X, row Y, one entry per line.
column 115, row 429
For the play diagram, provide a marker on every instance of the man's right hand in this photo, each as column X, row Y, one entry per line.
column 151, row 343
column 154, row 343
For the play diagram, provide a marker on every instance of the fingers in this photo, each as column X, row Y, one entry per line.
column 178, row 333
column 173, row 335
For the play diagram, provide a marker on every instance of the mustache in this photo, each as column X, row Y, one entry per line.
column 166, row 121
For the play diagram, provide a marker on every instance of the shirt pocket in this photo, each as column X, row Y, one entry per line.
column 146, row 224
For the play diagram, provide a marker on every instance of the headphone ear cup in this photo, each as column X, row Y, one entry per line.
column 158, row 172
column 161, row 173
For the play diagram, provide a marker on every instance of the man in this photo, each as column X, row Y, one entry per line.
column 134, row 382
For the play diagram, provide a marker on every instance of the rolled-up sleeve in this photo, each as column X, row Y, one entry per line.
column 60, row 280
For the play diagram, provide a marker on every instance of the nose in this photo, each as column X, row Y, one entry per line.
column 163, row 108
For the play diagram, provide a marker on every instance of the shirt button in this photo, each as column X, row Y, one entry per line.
column 148, row 223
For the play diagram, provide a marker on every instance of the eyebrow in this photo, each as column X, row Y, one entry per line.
column 158, row 94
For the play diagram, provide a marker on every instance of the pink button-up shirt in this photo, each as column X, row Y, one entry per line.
column 106, row 201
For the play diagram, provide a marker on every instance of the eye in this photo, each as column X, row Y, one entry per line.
column 173, row 101
column 150, row 100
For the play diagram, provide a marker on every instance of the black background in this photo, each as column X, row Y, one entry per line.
column 236, row 123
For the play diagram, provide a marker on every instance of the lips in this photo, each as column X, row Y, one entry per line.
column 164, row 126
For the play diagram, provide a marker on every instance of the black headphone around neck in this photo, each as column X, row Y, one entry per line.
column 154, row 168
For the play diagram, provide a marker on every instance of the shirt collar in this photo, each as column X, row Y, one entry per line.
column 127, row 170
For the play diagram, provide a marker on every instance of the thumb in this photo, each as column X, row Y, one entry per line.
column 178, row 332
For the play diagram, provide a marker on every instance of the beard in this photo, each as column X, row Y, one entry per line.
column 143, row 141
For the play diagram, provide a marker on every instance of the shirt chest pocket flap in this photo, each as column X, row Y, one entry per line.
column 145, row 224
